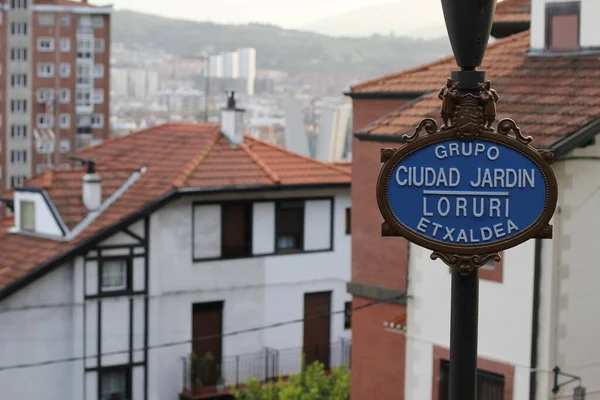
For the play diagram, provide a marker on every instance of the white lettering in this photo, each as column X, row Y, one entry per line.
column 479, row 148
column 401, row 168
column 453, row 149
column 462, row 235
column 425, row 213
column 449, row 233
column 493, row 153
column 461, row 205
column 429, row 176
column 486, row 233
column 499, row 230
column 423, row 225
column 440, row 152
column 446, row 202
column 494, row 206
column 437, row 227
column 454, row 172
column 512, row 227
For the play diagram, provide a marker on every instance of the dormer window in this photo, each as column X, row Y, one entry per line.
column 27, row 216
column 562, row 26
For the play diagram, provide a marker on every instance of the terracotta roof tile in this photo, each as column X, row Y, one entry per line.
column 549, row 97
column 175, row 156
column 69, row 3
column 513, row 11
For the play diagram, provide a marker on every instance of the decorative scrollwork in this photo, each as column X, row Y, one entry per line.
column 467, row 263
column 546, row 232
column 428, row 124
column 386, row 154
column 547, row 155
column 507, row 125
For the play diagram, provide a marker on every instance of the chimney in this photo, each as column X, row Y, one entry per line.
column 92, row 188
column 232, row 120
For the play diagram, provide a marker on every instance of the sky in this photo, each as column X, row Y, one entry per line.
column 286, row 13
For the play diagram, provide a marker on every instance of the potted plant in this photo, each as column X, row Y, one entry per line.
column 194, row 377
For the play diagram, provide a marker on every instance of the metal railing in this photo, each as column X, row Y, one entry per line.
column 207, row 373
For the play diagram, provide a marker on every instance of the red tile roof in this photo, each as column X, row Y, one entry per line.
column 176, row 156
column 345, row 165
column 550, row 98
column 513, row 11
column 69, row 3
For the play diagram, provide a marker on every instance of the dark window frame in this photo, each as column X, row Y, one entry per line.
column 348, row 221
column 348, row 315
column 251, row 203
column 291, row 204
column 562, row 8
column 248, row 225
column 126, row 369
column 128, row 275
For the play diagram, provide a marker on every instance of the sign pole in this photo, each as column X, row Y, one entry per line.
column 463, row 335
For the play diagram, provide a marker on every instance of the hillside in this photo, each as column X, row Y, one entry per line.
column 277, row 48
column 423, row 18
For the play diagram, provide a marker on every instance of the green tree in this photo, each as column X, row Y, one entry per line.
column 313, row 383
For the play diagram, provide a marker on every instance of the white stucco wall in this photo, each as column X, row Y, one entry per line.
column 45, row 223
column 38, row 324
column 505, row 311
column 574, row 322
column 589, row 30
column 256, row 291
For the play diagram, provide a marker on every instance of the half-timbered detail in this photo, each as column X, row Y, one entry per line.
column 134, row 269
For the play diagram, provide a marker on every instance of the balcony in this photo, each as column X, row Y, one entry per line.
column 207, row 378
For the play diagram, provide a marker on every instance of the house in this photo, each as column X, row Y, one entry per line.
column 537, row 306
column 176, row 240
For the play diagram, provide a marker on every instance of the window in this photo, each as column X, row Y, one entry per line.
column 18, row 156
column 18, row 28
column 65, row 70
column 562, row 26
column 65, row 121
column 45, row 70
column 17, row 181
column 114, row 273
column 18, row 4
column 84, row 48
column 84, row 74
column 98, row 45
column 45, row 44
column 236, row 230
column 18, row 54
column 18, row 131
column 98, row 71
column 18, row 106
column 46, row 19
column 65, row 44
column 348, row 220
column 289, row 226
column 65, row 21
column 27, row 215
column 65, row 96
column 98, row 96
column 18, row 80
column 97, row 21
column 348, row 315
column 114, row 384
column 489, row 385
column 97, row 121
column 45, row 121
column 45, row 95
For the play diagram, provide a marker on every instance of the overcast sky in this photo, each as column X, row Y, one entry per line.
column 285, row 13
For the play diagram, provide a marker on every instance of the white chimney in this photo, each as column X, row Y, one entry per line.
column 92, row 188
column 232, row 121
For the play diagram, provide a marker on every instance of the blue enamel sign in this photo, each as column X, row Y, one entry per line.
column 476, row 193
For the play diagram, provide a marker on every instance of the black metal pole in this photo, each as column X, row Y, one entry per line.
column 465, row 295
column 463, row 335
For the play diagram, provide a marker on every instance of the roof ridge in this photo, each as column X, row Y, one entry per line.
column 433, row 63
column 195, row 162
column 261, row 163
column 327, row 165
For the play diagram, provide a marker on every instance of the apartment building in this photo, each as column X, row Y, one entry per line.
column 56, row 89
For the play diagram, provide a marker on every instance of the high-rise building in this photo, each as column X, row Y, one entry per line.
column 247, row 63
column 231, row 65
column 56, row 92
column 215, row 68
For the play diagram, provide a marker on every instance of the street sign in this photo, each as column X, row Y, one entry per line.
column 467, row 195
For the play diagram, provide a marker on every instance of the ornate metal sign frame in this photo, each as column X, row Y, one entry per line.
column 467, row 116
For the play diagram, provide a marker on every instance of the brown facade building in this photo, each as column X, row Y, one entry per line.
column 55, row 91
column 380, row 265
